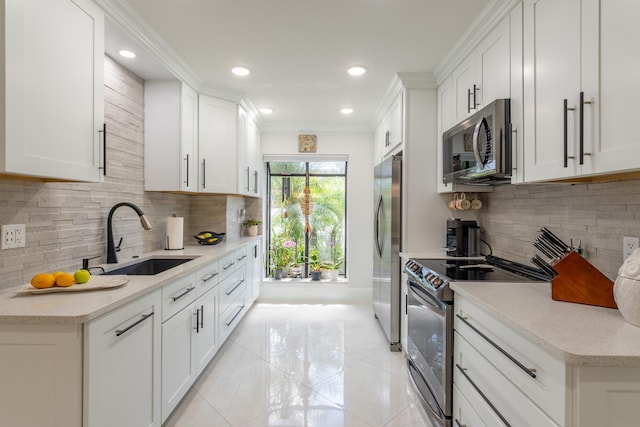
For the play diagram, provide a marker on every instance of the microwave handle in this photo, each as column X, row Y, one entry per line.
column 476, row 134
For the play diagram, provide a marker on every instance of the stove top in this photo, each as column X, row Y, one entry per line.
column 434, row 275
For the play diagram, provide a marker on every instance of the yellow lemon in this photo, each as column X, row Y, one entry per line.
column 43, row 280
column 57, row 273
column 82, row 276
column 65, row 279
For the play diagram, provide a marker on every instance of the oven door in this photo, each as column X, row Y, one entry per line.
column 429, row 350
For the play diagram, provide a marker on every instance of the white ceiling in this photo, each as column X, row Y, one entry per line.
column 298, row 51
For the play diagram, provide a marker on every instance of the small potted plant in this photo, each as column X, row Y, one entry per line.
column 315, row 266
column 252, row 226
column 282, row 256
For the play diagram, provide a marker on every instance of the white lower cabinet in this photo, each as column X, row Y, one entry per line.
column 122, row 366
column 502, row 378
column 254, row 271
column 41, row 375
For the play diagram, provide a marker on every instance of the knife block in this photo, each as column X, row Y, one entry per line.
column 580, row 282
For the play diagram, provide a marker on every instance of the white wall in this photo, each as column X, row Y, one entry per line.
column 359, row 148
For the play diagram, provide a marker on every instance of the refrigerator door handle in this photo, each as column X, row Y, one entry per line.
column 377, row 225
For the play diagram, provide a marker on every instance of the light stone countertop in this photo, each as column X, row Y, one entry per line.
column 80, row 307
column 579, row 334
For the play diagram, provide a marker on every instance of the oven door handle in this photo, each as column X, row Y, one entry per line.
column 425, row 299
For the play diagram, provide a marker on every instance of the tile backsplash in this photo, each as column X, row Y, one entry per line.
column 66, row 222
column 598, row 214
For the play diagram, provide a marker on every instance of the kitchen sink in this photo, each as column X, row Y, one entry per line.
column 150, row 266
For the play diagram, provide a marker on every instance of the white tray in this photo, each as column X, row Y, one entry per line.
column 94, row 284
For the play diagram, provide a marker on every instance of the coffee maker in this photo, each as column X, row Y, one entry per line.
column 462, row 238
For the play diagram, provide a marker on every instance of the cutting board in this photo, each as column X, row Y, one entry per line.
column 94, row 284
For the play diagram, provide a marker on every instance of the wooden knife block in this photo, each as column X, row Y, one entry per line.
column 580, row 282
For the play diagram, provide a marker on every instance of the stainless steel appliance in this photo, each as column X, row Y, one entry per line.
column 478, row 150
column 386, row 248
column 463, row 238
column 430, row 321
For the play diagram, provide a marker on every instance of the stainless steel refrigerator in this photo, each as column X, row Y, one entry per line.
column 387, row 227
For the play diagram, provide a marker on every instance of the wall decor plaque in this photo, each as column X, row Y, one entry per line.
column 306, row 143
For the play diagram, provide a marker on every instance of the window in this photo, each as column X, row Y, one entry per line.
column 306, row 217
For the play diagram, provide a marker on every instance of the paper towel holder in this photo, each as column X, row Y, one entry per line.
column 167, row 245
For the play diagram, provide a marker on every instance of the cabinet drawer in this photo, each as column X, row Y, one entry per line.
column 230, row 288
column 463, row 412
column 207, row 277
column 177, row 295
column 240, row 256
column 231, row 317
column 537, row 373
column 227, row 265
column 490, row 393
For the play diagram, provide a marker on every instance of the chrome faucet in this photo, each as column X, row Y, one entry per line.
column 111, row 248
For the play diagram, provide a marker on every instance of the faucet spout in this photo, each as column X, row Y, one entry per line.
column 112, row 258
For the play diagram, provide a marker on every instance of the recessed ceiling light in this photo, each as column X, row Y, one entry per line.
column 127, row 54
column 356, row 70
column 346, row 110
column 266, row 110
column 240, row 71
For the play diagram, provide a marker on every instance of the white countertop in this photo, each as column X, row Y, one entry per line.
column 576, row 333
column 80, row 307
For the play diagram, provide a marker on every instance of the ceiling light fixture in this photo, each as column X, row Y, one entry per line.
column 127, row 54
column 346, row 110
column 266, row 110
column 240, row 71
column 356, row 70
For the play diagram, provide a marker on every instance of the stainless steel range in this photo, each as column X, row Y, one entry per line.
column 430, row 321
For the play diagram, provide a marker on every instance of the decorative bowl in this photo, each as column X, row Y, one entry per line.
column 209, row 237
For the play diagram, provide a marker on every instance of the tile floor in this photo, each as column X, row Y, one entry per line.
column 303, row 365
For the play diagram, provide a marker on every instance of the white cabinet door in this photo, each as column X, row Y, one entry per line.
column 178, row 358
column 393, row 126
column 243, row 169
column 254, row 272
column 253, row 158
column 41, row 371
column 53, row 89
column 614, row 33
column 217, row 140
column 206, row 332
column 446, row 119
column 493, row 65
column 465, row 88
column 171, row 136
column 552, row 40
column 123, row 365
column 517, row 97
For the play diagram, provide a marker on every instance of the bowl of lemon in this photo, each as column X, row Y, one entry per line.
column 209, row 237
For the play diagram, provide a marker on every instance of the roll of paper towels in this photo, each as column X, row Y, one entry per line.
column 175, row 228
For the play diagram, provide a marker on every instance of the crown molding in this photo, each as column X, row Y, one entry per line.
column 125, row 17
column 484, row 23
column 401, row 81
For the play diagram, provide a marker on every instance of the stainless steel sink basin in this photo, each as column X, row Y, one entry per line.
column 150, row 266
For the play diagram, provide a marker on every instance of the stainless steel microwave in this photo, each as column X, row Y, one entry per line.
column 478, row 150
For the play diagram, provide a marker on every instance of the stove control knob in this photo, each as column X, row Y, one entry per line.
column 428, row 277
column 437, row 282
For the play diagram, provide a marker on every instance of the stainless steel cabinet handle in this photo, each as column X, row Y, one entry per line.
column 242, row 257
column 235, row 287
column 197, row 313
column 235, row 315
column 248, row 179
column 255, row 181
column 209, row 277
column 458, row 423
column 514, row 149
column 204, row 173
column 566, row 110
column 187, row 169
column 202, row 317
column 133, row 325
column 529, row 371
column 186, row 291
column 582, row 153
column 104, row 149
column 484, row 397
column 377, row 226
column 226, row 267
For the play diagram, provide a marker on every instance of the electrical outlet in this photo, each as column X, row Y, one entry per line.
column 629, row 244
column 13, row 236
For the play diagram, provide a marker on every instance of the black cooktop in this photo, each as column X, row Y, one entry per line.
column 471, row 270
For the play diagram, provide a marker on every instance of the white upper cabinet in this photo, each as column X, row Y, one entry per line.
column 616, row 33
column 392, row 127
column 552, row 67
column 218, row 157
column 248, row 155
column 171, row 136
column 53, row 89
column 580, row 85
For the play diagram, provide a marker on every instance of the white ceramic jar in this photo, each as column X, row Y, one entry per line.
column 626, row 290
